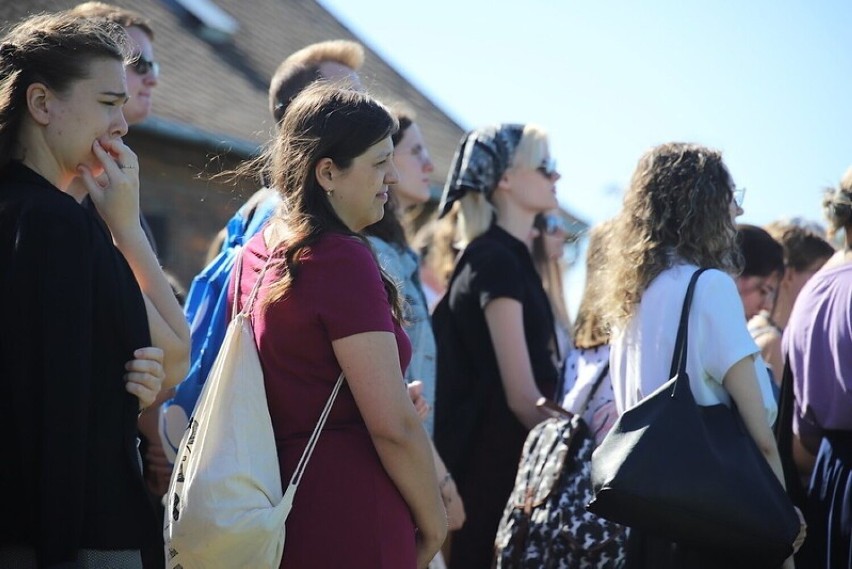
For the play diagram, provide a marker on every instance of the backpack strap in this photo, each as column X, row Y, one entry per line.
column 601, row 375
column 237, row 276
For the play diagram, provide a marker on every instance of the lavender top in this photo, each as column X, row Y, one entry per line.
column 818, row 340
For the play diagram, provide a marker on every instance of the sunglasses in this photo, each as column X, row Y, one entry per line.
column 547, row 168
column 142, row 66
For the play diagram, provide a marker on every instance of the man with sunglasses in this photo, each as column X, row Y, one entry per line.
column 143, row 71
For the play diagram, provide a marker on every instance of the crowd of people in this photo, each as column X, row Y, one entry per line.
column 449, row 332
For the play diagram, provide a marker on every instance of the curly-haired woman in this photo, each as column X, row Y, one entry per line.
column 678, row 216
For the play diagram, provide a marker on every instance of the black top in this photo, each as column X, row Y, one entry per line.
column 72, row 315
column 470, row 402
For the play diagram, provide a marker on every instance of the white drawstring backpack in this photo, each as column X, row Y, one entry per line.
column 225, row 506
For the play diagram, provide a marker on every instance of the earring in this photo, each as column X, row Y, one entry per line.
column 329, row 191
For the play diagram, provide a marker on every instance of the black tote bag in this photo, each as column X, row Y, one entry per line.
column 692, row 474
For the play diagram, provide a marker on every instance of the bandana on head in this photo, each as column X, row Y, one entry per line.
column 480, row 161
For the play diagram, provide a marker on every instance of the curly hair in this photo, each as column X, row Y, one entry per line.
column 837, row 205
column 677, row 209
column 589, row 329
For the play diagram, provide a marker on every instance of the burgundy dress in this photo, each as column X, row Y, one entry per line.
column 347, row 511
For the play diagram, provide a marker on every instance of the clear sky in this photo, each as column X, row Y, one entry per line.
column 769, row 82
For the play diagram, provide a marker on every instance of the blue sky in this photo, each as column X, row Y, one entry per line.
column 767, row 82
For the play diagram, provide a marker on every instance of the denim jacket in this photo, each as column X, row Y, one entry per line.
column 403, row 266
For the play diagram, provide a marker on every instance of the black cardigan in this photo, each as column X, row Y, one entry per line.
column 71, row 315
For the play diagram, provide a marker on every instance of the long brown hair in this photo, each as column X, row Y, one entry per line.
column 677, row 207
column 323, row 121
column 56, row 50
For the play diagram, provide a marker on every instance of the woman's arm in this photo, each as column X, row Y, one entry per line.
column 504, row 317
column 371, row 364
column 770, row 349
column 741, row 383
column 116, row 196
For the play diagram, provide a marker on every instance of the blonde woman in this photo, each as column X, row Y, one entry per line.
column 494, row 326
column 678, row 216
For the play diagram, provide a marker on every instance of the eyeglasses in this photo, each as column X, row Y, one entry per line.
column 547, row 168
column 142, row 66
column 739, row 195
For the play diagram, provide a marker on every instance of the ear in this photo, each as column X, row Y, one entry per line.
column 39, row 99
column 325, row 172
column 505, row 181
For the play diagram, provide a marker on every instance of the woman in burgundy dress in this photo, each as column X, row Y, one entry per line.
column 369, row 497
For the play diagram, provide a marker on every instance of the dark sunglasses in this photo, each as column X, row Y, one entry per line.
column 547, row 168
column 142, row 66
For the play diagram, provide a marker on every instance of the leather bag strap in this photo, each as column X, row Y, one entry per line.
column 679, row 356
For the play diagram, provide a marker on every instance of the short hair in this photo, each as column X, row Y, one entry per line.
column 762, row 255
column 802, row 246
column 121, row 16
column 301, row 69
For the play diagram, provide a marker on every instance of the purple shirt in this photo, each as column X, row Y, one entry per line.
column 818, row 340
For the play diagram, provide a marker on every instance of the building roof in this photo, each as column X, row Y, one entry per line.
column 220, row 89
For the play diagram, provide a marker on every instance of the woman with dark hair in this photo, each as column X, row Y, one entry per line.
column 90, row 325
column 497, row 352
column 369, row 498
column 805, row 252
column 678, row 216
column 763, row 267
column 818, row 343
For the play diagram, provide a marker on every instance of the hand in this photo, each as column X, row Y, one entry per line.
column 454, row 504
column 427, row 548
column 158, row 469
column 115, row 192
column 803, row 531
column 145, row 375
column 421, row 405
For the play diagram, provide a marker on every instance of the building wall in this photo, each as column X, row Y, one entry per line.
column 184, row 207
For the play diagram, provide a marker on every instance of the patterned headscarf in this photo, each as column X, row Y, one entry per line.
column 481, row 159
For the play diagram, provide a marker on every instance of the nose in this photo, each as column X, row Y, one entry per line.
column 119, row 125
column 392, row 175
column 428, row 165
column 557, row 176
column 150, row 79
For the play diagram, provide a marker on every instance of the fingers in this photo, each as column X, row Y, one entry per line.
column 145, row 375
column 115, row 157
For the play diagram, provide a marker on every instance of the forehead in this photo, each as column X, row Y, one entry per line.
column 140, row 42
column 411, row 136
column 104, row 74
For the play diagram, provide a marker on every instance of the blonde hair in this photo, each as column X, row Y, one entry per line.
column 677, row 208
column 837, row 205
column 301, row 68
column 475, row 210
column 590, row 330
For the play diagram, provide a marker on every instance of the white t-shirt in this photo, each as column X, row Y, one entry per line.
column 641, row 354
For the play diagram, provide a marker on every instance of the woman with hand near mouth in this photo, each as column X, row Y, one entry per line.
column 91, row 328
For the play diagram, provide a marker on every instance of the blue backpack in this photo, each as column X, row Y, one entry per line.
column 206, row 310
